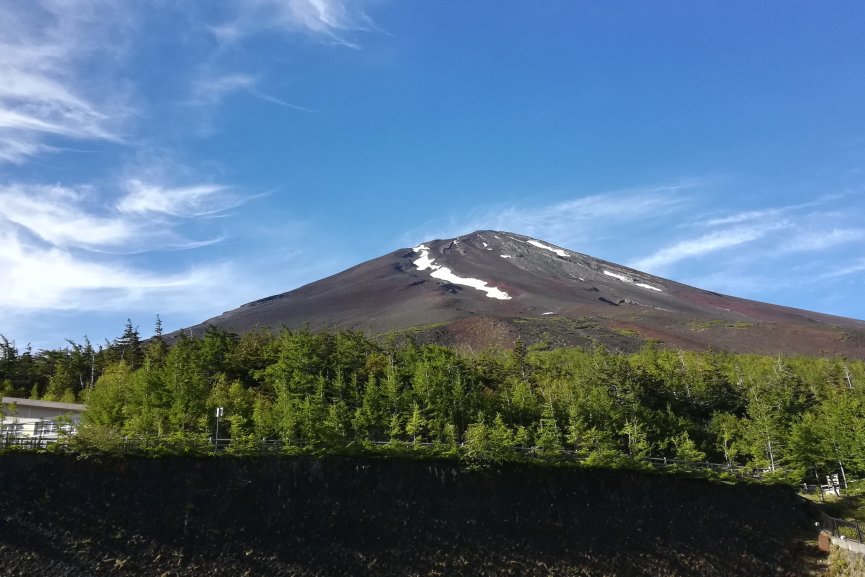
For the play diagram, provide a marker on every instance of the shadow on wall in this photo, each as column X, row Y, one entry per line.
column 340, row 516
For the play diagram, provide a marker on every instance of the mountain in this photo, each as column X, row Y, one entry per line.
column 490, row 287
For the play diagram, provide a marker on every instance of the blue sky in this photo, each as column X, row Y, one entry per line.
column 183, row 158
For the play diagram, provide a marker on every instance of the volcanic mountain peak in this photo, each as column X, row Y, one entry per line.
column 491, row 287
column 446, row 274
column 525, row 254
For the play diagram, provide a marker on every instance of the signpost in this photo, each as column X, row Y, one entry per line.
column 219, row 413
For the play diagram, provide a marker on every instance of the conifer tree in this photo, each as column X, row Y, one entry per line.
column 548, row 442
column 129, row 346
column 416, row 424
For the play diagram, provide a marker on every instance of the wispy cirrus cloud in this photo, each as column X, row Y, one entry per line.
column 64, row 65
column 212, row 89
column 39, row 276
column 48, row 92
column 769, row 235
column 579, row 223
column 774, row 253
column 64, row 247
column 331, row 21
column 84, row 71
column 57, row 215
column 855, row 267
column 793, row 254
column 145, row 217
column 177, row 201
column 747, row 216
column 818, row 239
column 706, row 244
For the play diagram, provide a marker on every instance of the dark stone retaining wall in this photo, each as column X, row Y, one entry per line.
column 60, row 515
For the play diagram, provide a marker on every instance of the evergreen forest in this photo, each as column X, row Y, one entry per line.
column 794, row 418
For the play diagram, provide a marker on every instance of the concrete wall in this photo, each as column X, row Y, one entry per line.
column 848, row 544
column 185, row 516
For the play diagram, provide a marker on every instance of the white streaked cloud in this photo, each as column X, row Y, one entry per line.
column 59, row 216
column 804, row 227
column 568, row 218
column 179, row 201
column 46, row 90
column 855, row 267
column 774, row 253
column 90, row 76
column 331, row 21
column 741, row 217
column 817, row 239
column 704, row 245
column 42, row 276
column 145, row 218
column 211, row 90
column 65, row 64
column 579, row 223
column 66, row 248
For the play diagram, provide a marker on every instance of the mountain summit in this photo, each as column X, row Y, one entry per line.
column 491, row 287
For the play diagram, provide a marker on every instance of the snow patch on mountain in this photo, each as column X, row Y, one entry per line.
column 539, row 244
column 627, row 279
column 440, row 272
column 424, row 262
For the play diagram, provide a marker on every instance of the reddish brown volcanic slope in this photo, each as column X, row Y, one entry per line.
column 538, row 292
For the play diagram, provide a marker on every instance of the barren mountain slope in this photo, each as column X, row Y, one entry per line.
column 491, row 287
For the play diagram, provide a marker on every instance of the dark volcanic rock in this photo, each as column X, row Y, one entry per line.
column 296, row 516
column 540, row 281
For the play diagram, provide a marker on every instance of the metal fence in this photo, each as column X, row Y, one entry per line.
column 200, row 444
column 842, row 528
column 34, row 435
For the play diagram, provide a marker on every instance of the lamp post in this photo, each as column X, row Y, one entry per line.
column 219, row 413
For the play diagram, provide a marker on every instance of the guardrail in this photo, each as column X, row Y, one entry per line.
column 842, row 528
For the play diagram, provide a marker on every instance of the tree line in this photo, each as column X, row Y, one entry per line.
column 321, row 391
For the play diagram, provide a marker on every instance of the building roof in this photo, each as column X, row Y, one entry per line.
column 72, row 407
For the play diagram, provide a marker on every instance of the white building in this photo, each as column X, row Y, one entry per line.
column 37, row 420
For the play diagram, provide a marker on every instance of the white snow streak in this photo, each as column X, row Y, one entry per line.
column 625, row 278
column 621, row 277
column 424, row 262
column 539, row 244
column 444, row 273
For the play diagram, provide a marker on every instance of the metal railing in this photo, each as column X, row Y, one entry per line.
column 842, row 528
column 200, row 444
column 36, row 435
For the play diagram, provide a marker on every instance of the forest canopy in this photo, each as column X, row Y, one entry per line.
column 319, row 391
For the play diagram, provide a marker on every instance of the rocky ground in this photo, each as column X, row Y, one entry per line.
column 64, row 516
